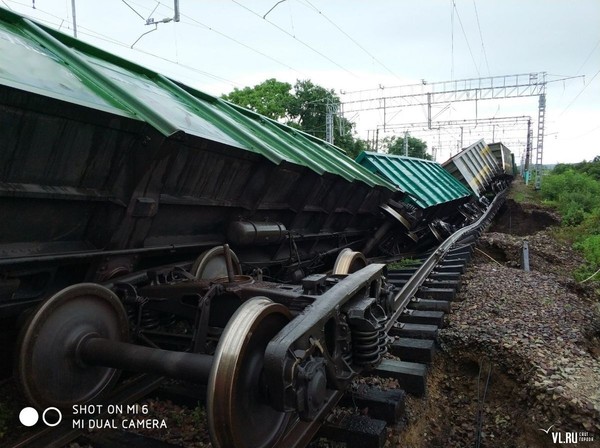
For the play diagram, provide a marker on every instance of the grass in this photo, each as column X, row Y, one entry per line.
column 404, row 263
column 521, row 193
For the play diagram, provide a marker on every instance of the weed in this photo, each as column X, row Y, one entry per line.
column 199, row 415
column 404, row 263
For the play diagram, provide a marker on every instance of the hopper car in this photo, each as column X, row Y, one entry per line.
column 477, row 168
column 148, row 226
column 439, row 202
column 504, row 157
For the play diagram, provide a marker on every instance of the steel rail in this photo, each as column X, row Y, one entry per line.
column 300, row 433
column 411, row 287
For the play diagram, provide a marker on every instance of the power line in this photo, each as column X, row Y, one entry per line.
column 353, row 40
column 588, row 57
column 283, row 30
column 209, row 28
column 201, row 25
column 466, row 39
column 452, row 42
column 579, row 94
column 585, row 133
column 481, row 37
column 103, row 37
column 272, row 8
column 133, row 9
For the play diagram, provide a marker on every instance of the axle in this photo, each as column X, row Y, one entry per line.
column 96, row 351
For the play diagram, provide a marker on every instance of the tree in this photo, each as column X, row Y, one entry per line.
column 309, row 107
column 270, row 98
column 305, row 109
column 416, row 147
column 353, row 148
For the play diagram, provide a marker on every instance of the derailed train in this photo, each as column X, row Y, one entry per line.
column 148, row 226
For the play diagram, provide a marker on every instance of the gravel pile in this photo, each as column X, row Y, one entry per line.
column 538, row 332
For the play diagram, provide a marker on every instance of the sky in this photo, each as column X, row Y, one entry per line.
column 372, row 46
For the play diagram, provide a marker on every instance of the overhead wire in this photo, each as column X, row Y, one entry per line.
column 199, row 25
column 466, row 38
column 481, row 37
column 133, row 9
column 286, row 32
column 588, row 57
column 99, row 36
column 586, row 133
column 579, row 94
column 322, row 14
column 452, row 42
column 196, row 23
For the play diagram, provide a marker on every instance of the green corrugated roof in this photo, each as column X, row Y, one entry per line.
column 40, row 60
column 426, row 182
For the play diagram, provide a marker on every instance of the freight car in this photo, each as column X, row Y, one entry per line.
column 123, row 194
column 504, row 158
column 476, row 167
column 108, row 168
column 436, row 202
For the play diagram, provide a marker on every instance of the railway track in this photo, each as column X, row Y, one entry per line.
column 424, row 297
column 151, row 174
column 424, row 292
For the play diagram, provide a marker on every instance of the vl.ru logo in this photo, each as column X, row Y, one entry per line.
column 29, row 416
column 572, row 437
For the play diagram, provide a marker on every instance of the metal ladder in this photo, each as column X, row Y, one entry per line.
column 540, row 142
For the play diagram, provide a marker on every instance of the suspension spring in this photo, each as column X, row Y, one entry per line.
column 368, row 347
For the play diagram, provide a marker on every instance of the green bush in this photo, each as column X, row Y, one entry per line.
column 575, row 191
column 571, row 190
column 591, row 249
column 591, row 223
column 572, row 214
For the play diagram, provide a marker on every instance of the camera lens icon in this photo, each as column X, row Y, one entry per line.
column 29, row 416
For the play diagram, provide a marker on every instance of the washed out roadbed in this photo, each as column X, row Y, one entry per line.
column 520, row 353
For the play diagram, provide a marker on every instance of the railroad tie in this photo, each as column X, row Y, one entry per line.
column 411, row 376
column 387, row 405
column 356, row 431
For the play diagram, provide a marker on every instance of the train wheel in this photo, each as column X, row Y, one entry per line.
column 396, row 215
column 348, row 262
column 211, row 264
column 48, row 369
column 239, row 414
